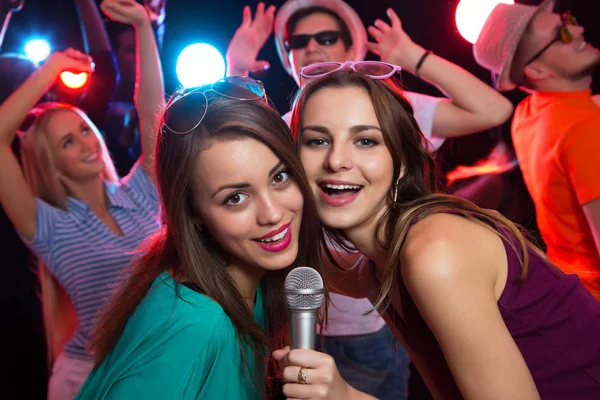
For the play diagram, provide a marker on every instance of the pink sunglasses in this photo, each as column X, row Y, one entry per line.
column 372, row 69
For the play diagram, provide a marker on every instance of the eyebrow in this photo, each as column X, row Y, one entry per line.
column 353, row 130
column 243, row 185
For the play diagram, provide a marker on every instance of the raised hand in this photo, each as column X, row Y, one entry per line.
column 248, row 39
column 70, row 60
column 322, row 379
column 125, row 11
column 392, row 44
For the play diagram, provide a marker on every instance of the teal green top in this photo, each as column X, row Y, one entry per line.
column 175, row 347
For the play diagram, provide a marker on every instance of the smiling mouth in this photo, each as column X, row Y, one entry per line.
column 275, row 238
column 336, row 190
column 92, row 157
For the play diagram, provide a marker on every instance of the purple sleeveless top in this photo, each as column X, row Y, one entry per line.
column 552, row 318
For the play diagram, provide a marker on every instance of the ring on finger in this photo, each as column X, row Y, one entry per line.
column 302, row 375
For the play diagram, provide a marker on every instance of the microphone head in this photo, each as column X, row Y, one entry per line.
column 303, row 289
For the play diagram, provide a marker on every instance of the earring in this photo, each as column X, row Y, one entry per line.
column 396, row 189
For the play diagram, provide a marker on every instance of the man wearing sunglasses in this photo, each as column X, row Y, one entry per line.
column 556, row 130
column 312, row 31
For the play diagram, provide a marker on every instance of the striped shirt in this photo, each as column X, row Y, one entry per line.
column 85, row 256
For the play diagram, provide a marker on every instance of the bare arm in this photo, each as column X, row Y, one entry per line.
column 149, row 93
column 92, row 28
column 591, row 210
column 473, row 106
column 455, row 270
column 99, row 90
column 15, row 196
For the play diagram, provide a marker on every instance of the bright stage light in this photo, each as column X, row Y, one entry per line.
column 74, row 81
column 471, row 15
column 37, row 50
column 199, row 64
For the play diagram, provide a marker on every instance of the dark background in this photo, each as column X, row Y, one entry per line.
column 430, row 23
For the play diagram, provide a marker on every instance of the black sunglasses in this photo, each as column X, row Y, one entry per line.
column 324, row 38
column 176, row 115
column 563, row 35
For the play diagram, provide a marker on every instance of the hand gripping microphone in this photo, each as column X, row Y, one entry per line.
column 304, row 292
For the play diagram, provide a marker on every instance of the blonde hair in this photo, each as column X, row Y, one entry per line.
column 41, row 173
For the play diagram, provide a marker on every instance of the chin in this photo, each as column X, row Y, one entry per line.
column 279, row 261
column 341, row 220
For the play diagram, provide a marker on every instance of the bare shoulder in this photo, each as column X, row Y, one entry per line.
column 446, row 247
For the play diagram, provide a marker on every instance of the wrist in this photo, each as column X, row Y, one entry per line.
column 411, row 57
column 143, row 22
column 51, row 69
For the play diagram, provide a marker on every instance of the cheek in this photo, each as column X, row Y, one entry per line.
column 293, row 200
column 65, row 158
column 337, row 52
column 312, row 162
column 228, row 226
column 378, row 169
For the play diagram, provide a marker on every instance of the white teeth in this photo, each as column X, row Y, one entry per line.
column 91, row 157
column 342, row 187
column 582, row 46
column 275, row 238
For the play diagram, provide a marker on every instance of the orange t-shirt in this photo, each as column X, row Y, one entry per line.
column 557, row 140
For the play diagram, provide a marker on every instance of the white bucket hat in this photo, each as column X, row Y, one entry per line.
column 346, row 13
column 500, row 36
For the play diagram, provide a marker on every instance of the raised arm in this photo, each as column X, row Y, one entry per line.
column 248, row 39
column 15, row 196
column 473, row 106
column 455, row 272
column 149, row 92
column 95, row 41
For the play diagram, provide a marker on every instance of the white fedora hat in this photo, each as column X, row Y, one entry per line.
column 500, row 36
column 346, row 13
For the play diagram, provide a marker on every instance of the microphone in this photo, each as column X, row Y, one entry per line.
column 304, row 292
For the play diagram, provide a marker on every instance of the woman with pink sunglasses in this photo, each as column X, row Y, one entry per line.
column 481, row 310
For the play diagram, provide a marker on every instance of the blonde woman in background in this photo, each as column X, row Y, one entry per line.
column 68, row 206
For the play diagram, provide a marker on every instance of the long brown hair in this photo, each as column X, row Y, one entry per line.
column 417, row 192
column 186, row 250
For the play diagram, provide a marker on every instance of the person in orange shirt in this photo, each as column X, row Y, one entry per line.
column 555, row 130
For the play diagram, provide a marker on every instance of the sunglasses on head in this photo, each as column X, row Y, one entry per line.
column 563, row 35
column 372, row 69
column 176, row 115
column 324, row 38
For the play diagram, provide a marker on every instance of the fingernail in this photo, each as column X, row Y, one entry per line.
column 388, row 12
column 266, row 67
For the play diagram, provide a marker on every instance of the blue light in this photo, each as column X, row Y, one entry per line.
column 37, row 50
column 199, row 64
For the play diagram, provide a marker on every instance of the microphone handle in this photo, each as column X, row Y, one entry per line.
column 304, row 329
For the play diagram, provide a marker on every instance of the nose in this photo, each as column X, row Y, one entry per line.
column 312, row 45
column 270, row 210
column 339, row 158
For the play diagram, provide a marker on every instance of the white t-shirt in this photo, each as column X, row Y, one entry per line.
column 346, row 314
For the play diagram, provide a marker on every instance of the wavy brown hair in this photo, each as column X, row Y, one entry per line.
column 418, row 195
column 191, row 253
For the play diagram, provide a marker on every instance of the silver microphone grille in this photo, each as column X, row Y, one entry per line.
column 303, row 289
